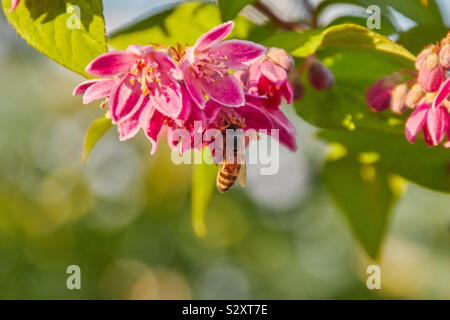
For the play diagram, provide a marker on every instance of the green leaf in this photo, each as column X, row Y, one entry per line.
column 415, row 39
column 413, row 9
column 307, row 42
column 44, row 25
column 428, row 167
column 184, row 23
column 203, row 182
column 343, row 106
column 95, row 132
column 362, row 192
column 229, row 9
column 387, row 28
column 358, row 58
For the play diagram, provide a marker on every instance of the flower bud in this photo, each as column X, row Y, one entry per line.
column 431, row 74
column 319, row 76
column 378, row 97
column 414, row 95
column 422, row 56
column 444, row 56
column 398, row 98
column 282, row 58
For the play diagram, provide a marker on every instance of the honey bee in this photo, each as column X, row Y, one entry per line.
column 229, row 173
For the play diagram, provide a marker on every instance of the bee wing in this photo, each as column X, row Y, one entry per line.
column 243, row 176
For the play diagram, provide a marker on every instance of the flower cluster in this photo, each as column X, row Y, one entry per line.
column 427, row 94
column 196, row 88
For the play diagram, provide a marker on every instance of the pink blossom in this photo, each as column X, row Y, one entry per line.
column 206, row 66
column 14, row 4
column 153, row 122
column 378, row 97
column 281, row 58
column 431, row 119
column 431, row 73
column 142, row 76
column 141, row 89
column 287, row 132
column 268, row 79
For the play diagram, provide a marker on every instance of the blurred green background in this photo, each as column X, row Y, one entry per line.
column 124, row 218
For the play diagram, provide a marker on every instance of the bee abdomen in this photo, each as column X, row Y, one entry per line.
column 225, row 180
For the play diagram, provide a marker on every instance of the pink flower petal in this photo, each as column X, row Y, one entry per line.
column 442, row 94
column 437, row 124
column 287, row 133
column 238, row 53
column 164, row 61
column 151, row 121
column 214, row 36
column 98, row 90
column 241, row 76
column 138, row 50
column 225, row 90
column 254, row 117
column 14, row 4
column 82, row 87
column 287, row 92
column 129, row 128
column 194, row 86
column 427, row 136
column 274, row 73
column 125, row 99
column 416, row 121
column 187, row 104
column 259, row 101
column 167, row 98
column 111, row 63
column 212, row 109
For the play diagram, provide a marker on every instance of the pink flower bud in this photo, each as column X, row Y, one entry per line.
column 319, row 76
column 282, row 58
column 431, row 74
column 423, row 55
column 444, row 56
column 378, row 97
column 414, row 95
column 398, row 98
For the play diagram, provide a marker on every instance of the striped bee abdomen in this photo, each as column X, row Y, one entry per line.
column 227, row 176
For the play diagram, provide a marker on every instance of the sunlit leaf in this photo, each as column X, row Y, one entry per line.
column 307, row 42
column 386, row 27
column 420, row 36
column 417, row 10
column 52, row 27
column 203, row 182
column 428, row 167
column 362, row 192
column 423, row 12
column 184, row 23
column 94, row 133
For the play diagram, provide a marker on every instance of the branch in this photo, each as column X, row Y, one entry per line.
column 274, row 18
